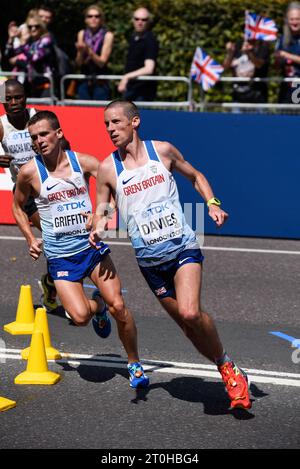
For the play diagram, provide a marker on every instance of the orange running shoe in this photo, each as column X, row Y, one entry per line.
column 236, row 383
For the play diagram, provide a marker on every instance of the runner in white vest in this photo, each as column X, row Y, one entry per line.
column 17, row 145
column 59, row 182
column 138, row 175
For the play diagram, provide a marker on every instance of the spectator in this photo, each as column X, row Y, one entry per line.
column 63, row 64
column 36, row 57
column 141, row 60
column 94, row 46
column 248, row 59
column 287, row 55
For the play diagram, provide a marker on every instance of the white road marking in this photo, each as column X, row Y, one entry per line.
column 158, row 366
column 208, row 248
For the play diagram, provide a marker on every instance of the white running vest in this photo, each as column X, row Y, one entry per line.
column 149, row 204
column 17, row 143
column 60, row 204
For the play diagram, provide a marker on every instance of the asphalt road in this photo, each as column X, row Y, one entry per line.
column 250, row 287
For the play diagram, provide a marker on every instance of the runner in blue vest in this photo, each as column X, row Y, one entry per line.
column 138, row 175
column 58, row 180
column 17, row 146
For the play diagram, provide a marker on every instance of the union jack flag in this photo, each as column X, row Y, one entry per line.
column 204, row 69
column 259, row 27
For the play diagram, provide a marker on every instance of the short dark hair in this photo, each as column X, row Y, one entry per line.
column 13, row 82
column 46, row 8
column 129, row 108
column 45, row 115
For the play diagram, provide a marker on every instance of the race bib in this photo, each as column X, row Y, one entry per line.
column 160, row 222
column 67, row 217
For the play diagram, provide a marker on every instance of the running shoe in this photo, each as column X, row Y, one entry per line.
column 48, row 297
column 137, row 377
column 236, row 384
column 101, row 322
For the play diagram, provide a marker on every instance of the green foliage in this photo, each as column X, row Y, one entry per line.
column 180, row 25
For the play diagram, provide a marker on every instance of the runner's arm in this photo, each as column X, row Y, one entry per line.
column 89, row 164
column 21, row 195
column 104, row 207
column 198, row 180
column 4, row 159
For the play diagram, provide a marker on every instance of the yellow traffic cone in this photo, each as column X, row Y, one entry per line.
column 37, row 369
column 25, row 314
column 41, row 324
column 6, row 404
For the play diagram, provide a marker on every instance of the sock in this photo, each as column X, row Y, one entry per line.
column 223, row 359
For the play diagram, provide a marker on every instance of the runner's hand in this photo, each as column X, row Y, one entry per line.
column 35, row 248
column 5, row 160
column 89, row 220
column 217, row 214
column 94, row 238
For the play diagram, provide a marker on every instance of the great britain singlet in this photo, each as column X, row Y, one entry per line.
column 147, row 197
column 17, row 143
column 60, row 205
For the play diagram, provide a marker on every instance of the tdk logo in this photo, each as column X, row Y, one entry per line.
column 21, row 135
column 157, row 209
column 71, row 206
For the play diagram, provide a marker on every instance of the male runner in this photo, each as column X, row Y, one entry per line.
column 58, row 181
column 139, row 177
column 16, row 142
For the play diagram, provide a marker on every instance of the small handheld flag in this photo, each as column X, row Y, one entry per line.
column 205, row 70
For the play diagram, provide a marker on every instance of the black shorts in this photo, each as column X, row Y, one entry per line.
column 160, row 278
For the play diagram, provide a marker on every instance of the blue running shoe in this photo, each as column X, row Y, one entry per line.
column 101, row 322
column 137, row 377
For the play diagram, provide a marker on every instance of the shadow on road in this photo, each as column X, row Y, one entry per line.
column 190, row 389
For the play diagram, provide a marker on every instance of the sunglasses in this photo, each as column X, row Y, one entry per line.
column 31, row 26
column 141, row 19
column 93, row 16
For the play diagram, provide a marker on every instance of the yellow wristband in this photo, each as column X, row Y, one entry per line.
column 213, row 201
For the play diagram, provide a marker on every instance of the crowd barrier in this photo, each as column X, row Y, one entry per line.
column 251, row 161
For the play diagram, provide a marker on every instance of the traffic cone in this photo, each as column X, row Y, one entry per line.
column 41, row 324
column 37, row 369
column 25, row 314
column 6, row 404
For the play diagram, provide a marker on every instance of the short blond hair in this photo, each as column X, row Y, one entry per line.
column 94, row 7
column 34, row 16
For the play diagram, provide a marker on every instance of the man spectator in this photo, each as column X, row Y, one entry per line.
column 248, row 59
column 287, row 55
column 141, row 60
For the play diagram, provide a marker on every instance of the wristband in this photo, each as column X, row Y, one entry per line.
column 213, row 201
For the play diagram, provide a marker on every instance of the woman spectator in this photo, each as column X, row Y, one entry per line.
column 94, row 46
column 35, row 57
column 288, row 51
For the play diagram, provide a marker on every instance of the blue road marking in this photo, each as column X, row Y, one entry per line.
column 289, row 338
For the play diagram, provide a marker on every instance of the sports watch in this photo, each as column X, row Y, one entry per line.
column 213, row 201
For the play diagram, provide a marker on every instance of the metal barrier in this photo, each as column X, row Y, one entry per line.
column 188, row 104
column 167, row 104
column 52, row 98
column 215, row 106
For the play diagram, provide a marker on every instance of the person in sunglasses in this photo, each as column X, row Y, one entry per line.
column 141, row 60
column 94, row 46
column 36, row 57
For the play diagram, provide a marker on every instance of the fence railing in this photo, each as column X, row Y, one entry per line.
column 22, row 75
column 188, row 104
column 167, row 104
